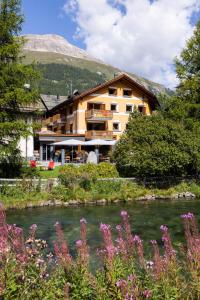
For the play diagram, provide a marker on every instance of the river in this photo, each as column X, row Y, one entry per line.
column 145, row 219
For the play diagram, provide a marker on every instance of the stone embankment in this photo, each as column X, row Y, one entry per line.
column 183, row 195
column 59, row 203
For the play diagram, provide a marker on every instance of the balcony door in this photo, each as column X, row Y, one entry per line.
column 97, row 106
column 96, row 126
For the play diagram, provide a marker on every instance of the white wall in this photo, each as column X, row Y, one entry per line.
column 26, row 145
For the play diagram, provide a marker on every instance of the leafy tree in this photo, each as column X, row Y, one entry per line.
column 13, row 77
column 156, row 146
column 167, row 143
column 188, row 72
column 188, row 69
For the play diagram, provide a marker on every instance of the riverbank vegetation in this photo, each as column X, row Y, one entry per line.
column 123, row 271
column 81, row 192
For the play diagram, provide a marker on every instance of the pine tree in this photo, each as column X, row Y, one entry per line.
column 14, row 77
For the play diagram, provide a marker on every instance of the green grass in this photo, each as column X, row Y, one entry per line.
column 45, row 174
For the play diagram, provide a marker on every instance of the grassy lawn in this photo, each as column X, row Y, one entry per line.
column 49, row 173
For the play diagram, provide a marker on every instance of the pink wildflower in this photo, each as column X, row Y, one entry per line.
column 129, row 238
column 147, row 294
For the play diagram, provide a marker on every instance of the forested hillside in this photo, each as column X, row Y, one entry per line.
column 59, row 70
column 64, row 79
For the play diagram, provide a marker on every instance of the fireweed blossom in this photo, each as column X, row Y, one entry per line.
column 169, row 251
column 147, row 294
column 158, row 263
column 4, row 246
column 127, row 227
column 140, row 250
column 83, row 230
column 81, row 245
column 192, row 238
column 32, row 231
column 61, row 248
column 16, row 237
column 128, row 287
column 109, row 248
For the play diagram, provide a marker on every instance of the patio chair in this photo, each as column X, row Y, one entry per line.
column 67, row 159
column 51, row 165
column 33, row 163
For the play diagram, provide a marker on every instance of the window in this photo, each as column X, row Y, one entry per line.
column 142, row 109
column 71, row 110
column 113, row 107
column 112, row 92
column 127, row 93
column 63, row 129
column 97, row 106
column 129, row 108
column 71, row 128
column 115, row 126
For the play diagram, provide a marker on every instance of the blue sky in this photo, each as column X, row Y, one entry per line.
column 47, row 16
column 139, row 36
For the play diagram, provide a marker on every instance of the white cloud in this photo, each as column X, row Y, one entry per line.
column 135, row 35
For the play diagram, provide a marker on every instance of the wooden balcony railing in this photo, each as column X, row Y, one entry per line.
column 98, row 115
column 97, row 134
column 47, row 122
column 57, row 119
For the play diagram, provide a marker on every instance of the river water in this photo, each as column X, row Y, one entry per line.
column 145, row 219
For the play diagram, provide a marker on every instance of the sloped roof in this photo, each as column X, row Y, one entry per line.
column 50, row 101
column 125, row 76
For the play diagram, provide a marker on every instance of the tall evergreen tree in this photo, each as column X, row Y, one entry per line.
column 14, row 76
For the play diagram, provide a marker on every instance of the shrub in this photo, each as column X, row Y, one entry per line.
column 84, row 175
column 28, row 172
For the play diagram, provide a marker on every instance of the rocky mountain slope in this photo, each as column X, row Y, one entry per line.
column 54, row 44
column 73, row 65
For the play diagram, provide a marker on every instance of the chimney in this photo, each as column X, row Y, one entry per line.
column 58, row 96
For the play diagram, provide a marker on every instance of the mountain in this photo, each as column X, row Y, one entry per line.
column 53, row 43
column 65, row 67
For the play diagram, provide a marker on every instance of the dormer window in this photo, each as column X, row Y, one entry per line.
column 112, row 91
column 127, row 93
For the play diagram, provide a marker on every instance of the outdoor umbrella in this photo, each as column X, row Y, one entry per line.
column 99, row 142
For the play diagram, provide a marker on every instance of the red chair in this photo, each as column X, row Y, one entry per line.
column 33, row 163
column 51, row 165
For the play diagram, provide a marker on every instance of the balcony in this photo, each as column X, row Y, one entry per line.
column 97, row 134
column 48, row 122
column 55, row 120
column 98, row 115
column 61, row 119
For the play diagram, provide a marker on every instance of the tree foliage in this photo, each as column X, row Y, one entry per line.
column 157, row 146
column 13, row 76
column 167, row 143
